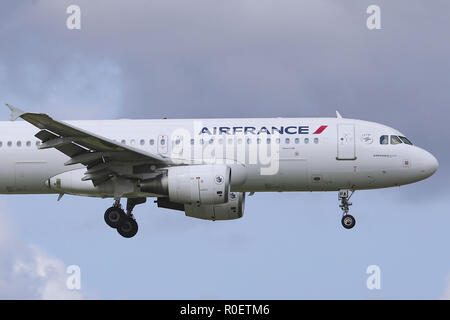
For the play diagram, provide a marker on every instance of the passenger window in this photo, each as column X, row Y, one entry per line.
column 316, row 140
column 287, row 140
column 19, row 143
column 192, row 141
column 123, row 141
column 9, row 143
column 306, row 140
column 384, row 139
column 142, row 142
column 162, row 142
column 268, row 141
column 152, row 142
column 406, row 140
column 297, row 140
column 395, row 140
column 1, row 143
column 28, row 144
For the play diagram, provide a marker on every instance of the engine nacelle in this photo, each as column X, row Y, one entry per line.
column 196, row 184
column 233, row 209
column 70, row 182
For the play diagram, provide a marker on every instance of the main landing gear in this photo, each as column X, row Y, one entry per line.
column 125, row 223
column 348, row 221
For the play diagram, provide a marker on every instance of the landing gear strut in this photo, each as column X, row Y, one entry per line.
column 348, row 221
column 125, row 223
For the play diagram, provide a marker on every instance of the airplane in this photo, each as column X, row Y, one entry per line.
column 203, row 167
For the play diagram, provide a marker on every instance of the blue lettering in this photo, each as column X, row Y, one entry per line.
column 303, row 130
column 287, row 130
column 205, row 130
column 224, row 130
column 280, row 131
column 254, row 130
column 249, row 129
column 237, row 129
column 263, row 130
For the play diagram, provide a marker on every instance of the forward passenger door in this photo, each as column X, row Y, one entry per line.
column 346, row 149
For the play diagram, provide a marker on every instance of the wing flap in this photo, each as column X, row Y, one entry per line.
column 45, row 135
column 69, row 149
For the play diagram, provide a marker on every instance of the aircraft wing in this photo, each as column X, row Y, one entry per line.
column 82, row 146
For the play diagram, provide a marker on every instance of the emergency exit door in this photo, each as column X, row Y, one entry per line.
column 162, row 144
column 346, row 142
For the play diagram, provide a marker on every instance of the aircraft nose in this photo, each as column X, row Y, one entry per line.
column 433, row 164
column 429, row 164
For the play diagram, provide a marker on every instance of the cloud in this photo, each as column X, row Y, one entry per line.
column 28, row 272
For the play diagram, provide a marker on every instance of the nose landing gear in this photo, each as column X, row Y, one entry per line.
column 125, row 223
column 348, row 221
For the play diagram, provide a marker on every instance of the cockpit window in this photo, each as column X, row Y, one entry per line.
column 405, row 140
column 384, row 139
column 395, row 140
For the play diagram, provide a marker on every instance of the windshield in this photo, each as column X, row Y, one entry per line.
column 385, row 139
column 395, row 140
column 405, row 140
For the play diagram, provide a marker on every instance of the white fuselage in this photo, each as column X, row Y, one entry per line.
column 273, row 154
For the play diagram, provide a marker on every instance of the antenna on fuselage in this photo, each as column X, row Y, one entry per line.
column 338, row 115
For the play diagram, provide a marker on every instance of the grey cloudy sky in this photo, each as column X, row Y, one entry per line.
column 242, row 58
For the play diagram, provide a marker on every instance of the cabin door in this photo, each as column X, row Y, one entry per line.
column 346, row 148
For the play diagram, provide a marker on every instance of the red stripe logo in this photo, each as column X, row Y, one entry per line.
column 320, row 130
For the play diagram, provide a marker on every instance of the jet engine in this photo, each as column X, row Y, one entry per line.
column 191, row 185
column 72, row 182
column 232, row 209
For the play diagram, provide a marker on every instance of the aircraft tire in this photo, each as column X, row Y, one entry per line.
column 128, row 228
column 348, row 221
column 114, row 217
